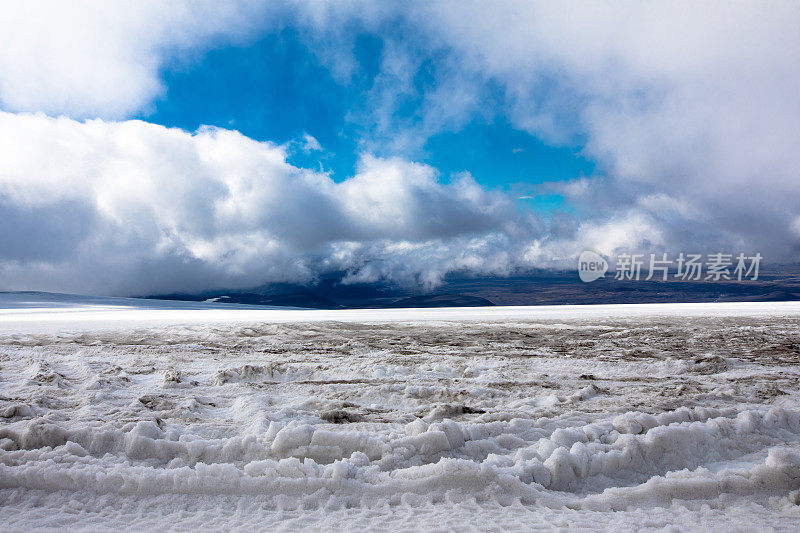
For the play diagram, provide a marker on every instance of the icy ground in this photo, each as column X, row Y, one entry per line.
column 125, row 415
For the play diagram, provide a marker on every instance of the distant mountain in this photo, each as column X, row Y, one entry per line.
column 303, row 299
column 441, row 300
column 536, row 287
column 773, row 296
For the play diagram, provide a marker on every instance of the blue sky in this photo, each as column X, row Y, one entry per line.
column 276, row 89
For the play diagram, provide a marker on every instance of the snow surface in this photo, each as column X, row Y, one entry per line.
column 142, row 415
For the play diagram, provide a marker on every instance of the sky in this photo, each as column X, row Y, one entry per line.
column 156, row 147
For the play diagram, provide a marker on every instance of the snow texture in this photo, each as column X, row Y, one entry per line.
column 129, row 415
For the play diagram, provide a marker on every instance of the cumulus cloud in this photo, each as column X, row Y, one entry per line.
column 90, row 58
column 131, row 207
column 690, row 109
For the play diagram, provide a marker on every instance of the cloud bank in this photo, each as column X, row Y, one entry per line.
column 690, row 111
column 132, row 207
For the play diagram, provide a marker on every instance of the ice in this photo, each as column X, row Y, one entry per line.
column 138, row 416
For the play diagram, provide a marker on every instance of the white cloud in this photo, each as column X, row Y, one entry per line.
column 89, row 58
column 310, row 144
column 132, row 208
column 691, row 109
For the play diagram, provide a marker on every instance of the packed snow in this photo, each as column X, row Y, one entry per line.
column 142, row 415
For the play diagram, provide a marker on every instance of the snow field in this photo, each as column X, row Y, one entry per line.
column 602, row 422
